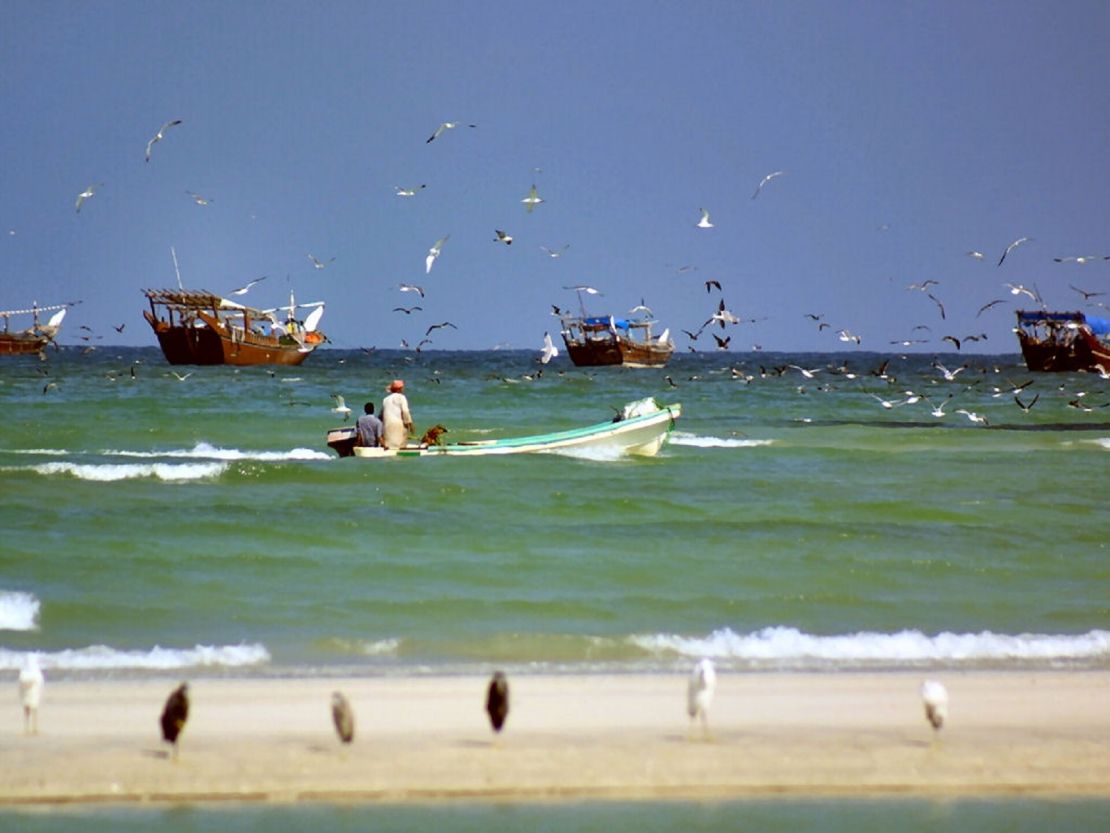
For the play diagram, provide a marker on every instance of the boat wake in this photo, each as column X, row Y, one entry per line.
column 101, row 657
column 18, row 611
column 108, row 472
column 682, row 438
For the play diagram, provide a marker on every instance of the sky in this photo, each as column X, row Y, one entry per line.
column 909, row 134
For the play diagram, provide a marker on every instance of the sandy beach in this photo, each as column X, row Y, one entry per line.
column 604, row 736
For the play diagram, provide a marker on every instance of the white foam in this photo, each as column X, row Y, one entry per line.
column 205, row 451
column 105, row 472
column 790, row 645
column 101, row 657
column 1103, row 441
column 18, row 611
column 682, row 438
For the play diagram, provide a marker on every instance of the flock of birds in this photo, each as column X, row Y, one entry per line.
column 700, row 690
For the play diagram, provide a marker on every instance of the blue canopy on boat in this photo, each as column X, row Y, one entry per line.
column 607, row 320
column 1099, row 326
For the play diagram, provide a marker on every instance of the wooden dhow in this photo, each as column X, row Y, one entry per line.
column 594, row 341
column 204, row 328
column 33, row 339
column 1063, row 341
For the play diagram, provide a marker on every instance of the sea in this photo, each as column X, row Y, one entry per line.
column 822, row 512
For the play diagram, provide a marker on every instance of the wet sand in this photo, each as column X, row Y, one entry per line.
column 575, row 737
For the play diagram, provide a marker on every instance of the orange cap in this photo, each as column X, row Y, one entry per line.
column 396, row 386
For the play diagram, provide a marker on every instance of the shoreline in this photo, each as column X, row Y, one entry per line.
column 568, row 737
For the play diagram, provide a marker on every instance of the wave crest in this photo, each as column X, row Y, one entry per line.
column 101, row 657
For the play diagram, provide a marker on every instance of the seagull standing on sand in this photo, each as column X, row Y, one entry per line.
column 765, row 180
column 704, row 222
column 532, row 200
column 699, row 693
column 935, row 697
column 343, row 716
column 88, row 192
column 31, row 683
column 549, row 350
column 160, row 135
column 497, row 700
column 174, row 715
column 434, row 252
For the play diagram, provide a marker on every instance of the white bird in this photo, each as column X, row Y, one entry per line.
column 699, row 692
column 433, row 253
column 949, row 375
column 704, row 221
column 408, row 192
column 844, row 335
column 244, row 289
column 1081, row 259
column 974, row 417
column 198, row 199
column 31, row 683
column 88, row 192
column 1011, row 247
column 555, row 253
column 502, row 237
column 320, row 264
column 974, row 255
column 765, row 180
column 160, row 135
column 532, row 200
column 935, row 697
column 1018, row 289
column 411, row 287
column 642, row 307
column 181, row 377
column 447, row 125
column 341, row 406
column 589, row 290
column 549, row 351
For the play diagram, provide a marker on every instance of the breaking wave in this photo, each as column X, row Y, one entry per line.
column 101, row 657
column 205, row 451
column 791, row 647
column 106, row 472
column 18, row 611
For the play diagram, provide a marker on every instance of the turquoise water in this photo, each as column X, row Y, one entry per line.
column 757, row 816
column 153, row 524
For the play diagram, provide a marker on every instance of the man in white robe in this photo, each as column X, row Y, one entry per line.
column 396, row 418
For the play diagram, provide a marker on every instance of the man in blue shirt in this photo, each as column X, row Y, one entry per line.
column 369, row 427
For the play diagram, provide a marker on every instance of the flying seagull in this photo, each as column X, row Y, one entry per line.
column 88, row 192
column 589, row 290
column 1082, row 259
column 408, row 192
column 447, row 125
column 497, row 700
column 555, row 253
column 765, row 180
column 975, row 255
column 532, row 200
column 988, row 305
column 343, row 716
column 502, row 237
column 935, row 697
column 704, row 221
column 198, row 199
column 433, row 253
column 408, row 310
column 411, row 287
column 1018, row 289
column 320, row 264
column 1086, row 295
column 549, row 350
column 174, row 715
column 1011, row 247
column 438, row 326
column 31, row 682
column 341, row 406
column 699, row 693
column 246, row 287
column 160, row 135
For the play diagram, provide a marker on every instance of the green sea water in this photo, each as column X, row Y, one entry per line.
column 151, row 523
column 754, row 816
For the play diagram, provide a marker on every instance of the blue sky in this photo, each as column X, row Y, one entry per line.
column 910, row 134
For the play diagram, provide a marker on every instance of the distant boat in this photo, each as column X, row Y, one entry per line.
column 203, row 328
column 33, row 339
column 640, row 428
column 594, row 341
column 1063, row 341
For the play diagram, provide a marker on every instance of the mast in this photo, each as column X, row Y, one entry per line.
column 175, row 269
